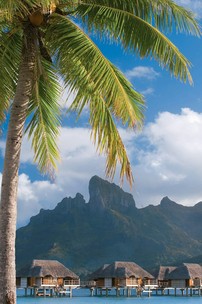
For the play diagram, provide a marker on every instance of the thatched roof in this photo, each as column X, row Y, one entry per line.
column 42, row 268
column 164, row 272
column 186, row 271
column 96, row 273
column 121, row 270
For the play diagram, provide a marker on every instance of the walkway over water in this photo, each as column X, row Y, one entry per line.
column 148, row 291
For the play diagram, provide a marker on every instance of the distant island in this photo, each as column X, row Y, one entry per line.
column 110, row 227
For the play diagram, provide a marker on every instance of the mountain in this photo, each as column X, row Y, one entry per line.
column 110, row 227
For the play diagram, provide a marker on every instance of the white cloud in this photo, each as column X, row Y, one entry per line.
column 79, row 163
column 193, row 5
column 168, row 165
column 148, row 91
column 142, row 72
column 171, row 165
column 66, row 98
column 32, row 196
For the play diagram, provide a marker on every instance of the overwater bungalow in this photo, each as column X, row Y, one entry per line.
column 163, row 276
column 46, row 274
column 121, row 274
column 187, row 275
column 184, row 276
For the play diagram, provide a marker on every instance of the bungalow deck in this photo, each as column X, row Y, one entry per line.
column 148, row 291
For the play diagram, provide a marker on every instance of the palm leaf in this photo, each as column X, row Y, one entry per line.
column 44, row 124
column 97, row 83
column 164, row 14
column 107, row 138
column 22, row 8
column 104, row 131
column 81, row 62
column 12, row 7
column 10, row 55
column 136, row 35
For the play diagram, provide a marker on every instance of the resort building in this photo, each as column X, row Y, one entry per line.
column 44, row 274
column 184, row 276
column 121, row 274
column 163, row 276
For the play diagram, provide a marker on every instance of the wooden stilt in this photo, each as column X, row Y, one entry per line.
column 92, row 291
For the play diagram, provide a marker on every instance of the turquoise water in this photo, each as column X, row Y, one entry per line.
column 83, row 297
column 111, row 300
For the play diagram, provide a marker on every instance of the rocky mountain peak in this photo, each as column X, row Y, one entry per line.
column 68, row 203
column 104, row 194
column 166, row 201
column 110, row 228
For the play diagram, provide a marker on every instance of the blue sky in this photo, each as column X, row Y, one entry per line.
column 165, row 155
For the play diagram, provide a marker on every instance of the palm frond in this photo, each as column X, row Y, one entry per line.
column 22, row 8
column 12, row 7
column 107, row 138
column 44, row 125
column 81, row 63
column 163, row 14
column 10, row 55
column 137, row 35
column 101, row 86
column 102, row 119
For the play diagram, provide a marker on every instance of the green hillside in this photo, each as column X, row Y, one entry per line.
column 83, row 236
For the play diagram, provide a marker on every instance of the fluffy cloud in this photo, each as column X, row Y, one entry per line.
column 194, row 5
column 142, row 72
column 32, row 196
column 78, row 164
column 79, row 161
column 166, row 160
column 148, row 91
column 171, row 163
column 66, row 98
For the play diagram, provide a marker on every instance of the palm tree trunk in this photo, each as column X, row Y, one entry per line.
column 8, row 205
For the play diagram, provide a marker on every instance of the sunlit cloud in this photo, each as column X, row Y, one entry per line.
column 142, row 72
column 171, row 163
column 165, row 158
column 194, row 5
column 148, row 91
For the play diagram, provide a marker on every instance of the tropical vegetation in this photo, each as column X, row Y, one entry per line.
column 44, row 43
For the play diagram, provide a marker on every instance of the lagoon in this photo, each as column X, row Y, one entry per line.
column 82, row 296
column 111, row 300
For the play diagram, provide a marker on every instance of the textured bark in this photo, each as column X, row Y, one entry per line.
column 8, row 205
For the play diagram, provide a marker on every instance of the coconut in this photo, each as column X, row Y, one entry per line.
column 36, row 18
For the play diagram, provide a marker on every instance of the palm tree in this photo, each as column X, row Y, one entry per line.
column 44, row 42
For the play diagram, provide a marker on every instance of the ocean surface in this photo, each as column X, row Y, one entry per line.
column 83, row 297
